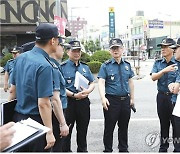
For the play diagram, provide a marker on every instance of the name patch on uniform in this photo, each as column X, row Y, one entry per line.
column 126, row 67
column 84, row 70
column 112, row 77
column 68, row 81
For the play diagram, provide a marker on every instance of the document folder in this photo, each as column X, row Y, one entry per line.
column 7, row 111
column 80, row 81
column 26, row 131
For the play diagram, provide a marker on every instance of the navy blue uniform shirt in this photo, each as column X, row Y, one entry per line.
column 116, row 77
column 69, row 70
column 167, row 78
column 59, row 83
column 32, row 76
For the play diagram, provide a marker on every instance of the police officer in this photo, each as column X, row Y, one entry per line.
column 164, row 72
column 116, row 89
column 60, row 127
column 32, row 85
column 9, row 67
column 78, row 108
column 174, row 88
column 28, row 46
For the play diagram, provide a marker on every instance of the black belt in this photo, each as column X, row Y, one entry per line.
column 72, row 98
column 122, row 98
column 165, row 93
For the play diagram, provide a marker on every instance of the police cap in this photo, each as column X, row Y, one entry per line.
column 167, row 42
column 16, row 50
column 75, row 45
column 115, row 42
column 28, row 46
column 46, row 31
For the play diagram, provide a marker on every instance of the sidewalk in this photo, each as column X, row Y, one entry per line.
column 1, row 80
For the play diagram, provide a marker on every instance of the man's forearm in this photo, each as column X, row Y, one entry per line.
column 157, row 76
column 57, row 108
column 45, row 111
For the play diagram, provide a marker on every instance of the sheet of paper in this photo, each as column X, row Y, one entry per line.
column 24, row 129
column 80, row 81
column 22, row 132
column 176, row 110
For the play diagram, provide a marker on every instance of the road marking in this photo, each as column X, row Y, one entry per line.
column 133, row 119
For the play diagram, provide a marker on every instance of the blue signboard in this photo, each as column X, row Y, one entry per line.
column 156, row 24
column 111, row 23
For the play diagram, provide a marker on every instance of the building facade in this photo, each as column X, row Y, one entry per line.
column 19, row 19
column 75, row 25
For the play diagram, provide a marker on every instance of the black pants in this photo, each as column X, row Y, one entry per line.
column 56, row 130
column 164, row 109
column 36, row 145
column 118, row 111
column 77, row 111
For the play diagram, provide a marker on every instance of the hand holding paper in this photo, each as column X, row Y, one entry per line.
column 80, row 82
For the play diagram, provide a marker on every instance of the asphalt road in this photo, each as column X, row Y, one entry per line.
column 143, row 126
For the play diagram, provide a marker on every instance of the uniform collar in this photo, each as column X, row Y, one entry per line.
column 55, row 61
column 72, row 63
column 41, row 51
column 173, row 60
column 113, row 60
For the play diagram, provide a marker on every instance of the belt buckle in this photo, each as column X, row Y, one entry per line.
column 167, row 93
column 123, row 98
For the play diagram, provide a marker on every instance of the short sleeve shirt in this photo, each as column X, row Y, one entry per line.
column 167, row 78
column 32, row 76
column 69, row 70
column 116, row 77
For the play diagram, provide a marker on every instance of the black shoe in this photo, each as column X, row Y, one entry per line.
column 107, row 151
column 162, row 150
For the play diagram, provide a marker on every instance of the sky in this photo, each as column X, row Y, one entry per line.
column 96, row 12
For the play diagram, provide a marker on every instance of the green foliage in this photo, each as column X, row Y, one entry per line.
column 91, row 46
column 94, row 66
column 5, row 59
column 85, row 57
column 101, row 56
column 65, row 56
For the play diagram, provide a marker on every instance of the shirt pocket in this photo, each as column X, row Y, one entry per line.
column 69, row 77
column 126, row 75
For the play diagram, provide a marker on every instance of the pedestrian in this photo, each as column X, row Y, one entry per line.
column 174, row 88
column 9, row 68
column 164, row 72
column 6, row 135
column 60, row 127
column 116, row 89
column 32, row 85
column 78, row 107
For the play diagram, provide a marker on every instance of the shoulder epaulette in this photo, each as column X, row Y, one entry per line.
column 107, row 61
column 177, row 60
column 10, row 60
column 127, row 61
column 64, row 62
column 159, row 59
column 83, row 62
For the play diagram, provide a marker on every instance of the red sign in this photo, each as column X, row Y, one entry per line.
column 61, row 24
